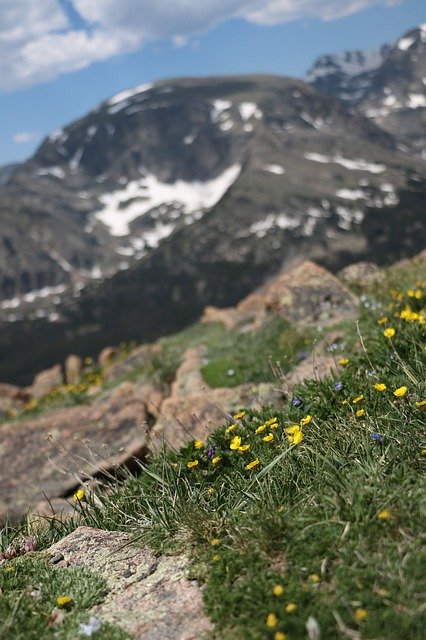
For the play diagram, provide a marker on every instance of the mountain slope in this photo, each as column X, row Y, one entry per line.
column 191, row 192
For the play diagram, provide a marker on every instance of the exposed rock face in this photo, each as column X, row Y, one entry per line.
column 46, row 381
column 306, row 294
column 48, row 456
column 149, row 596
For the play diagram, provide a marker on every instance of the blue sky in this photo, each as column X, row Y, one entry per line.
column 59, row 58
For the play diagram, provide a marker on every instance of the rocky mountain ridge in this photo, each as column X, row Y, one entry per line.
column 388, row 85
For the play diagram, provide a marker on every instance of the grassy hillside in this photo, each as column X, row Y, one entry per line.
column 300, row 522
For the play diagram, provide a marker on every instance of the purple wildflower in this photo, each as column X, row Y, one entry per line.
column 338, row 385
column 296, row 402
column 210, row 452
column 377, row 437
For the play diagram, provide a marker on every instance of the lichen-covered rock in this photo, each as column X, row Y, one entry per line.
column 149, row 596
column 309, row 294
column 361, row 273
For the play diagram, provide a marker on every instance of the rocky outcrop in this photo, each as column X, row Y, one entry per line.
column 73, row 369
column 361, row 274
column 47, row 457
column 306, row 294
column 46, row 381
column 107, row 357
column 149, row 596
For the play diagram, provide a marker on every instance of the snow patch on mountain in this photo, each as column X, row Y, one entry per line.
column 219, row 107
column 123, row 206
column 125, row 95
column 405, row 43
column 356, row 164
column 274, row 168
column 57, row 172
column 249, row 110
column 349, row 63
column 14, row 303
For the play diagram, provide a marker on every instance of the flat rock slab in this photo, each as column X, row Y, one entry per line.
column 46, row 457
column 149, row 596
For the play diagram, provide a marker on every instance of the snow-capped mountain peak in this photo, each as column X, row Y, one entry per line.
column 348, row 63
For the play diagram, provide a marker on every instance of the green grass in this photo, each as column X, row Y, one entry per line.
column 29, row 588
column 254, row 356
column 336, row 520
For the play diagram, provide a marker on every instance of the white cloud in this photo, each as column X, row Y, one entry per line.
column 38, row 41
column 22, row 137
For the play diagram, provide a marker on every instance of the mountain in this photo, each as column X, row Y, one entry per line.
column 6, row 171
column 387, row 85
column 172, row 196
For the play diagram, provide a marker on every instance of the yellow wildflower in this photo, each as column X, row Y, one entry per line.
column 306, row 420
column 291, row 607
column 293, row 429
column 271, row 621
column 244, row 448
column 268, row 438
column 418, row 294
column 423, row 452
column 421, row 404
column 231, row 428
column 296, row 438
column 382, row 320
column 271, row 421
column 278, row 590
column 64, row 601
column 389, row 333
column 280, row 636
column 411, row 293
column 253, row 464
column 344, row 361
column 380, row 386
column 198, row 444
column 360, row 614
column 235, row 443
column 79, row 495
column 261, row 429
column 192, row 464
column 216, row 557
column 216, row 460
column 358, row 399
column 360, row 413
column 315, row 578
column 215, row 542
column 384, row 515
column 240, row 415
column 400, row 392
